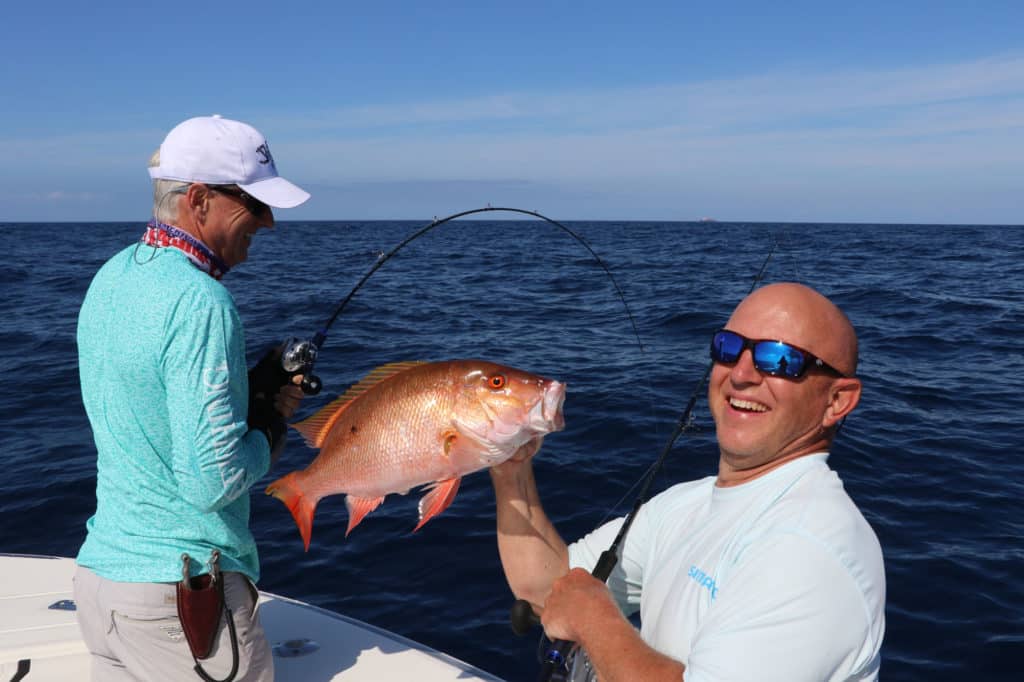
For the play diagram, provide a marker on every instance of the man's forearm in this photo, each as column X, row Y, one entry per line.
column 532, row 553
column 581, row 609
column 618, row 654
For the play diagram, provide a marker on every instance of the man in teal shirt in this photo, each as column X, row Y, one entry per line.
column 180, row 435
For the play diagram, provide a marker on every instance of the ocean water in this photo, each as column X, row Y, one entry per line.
column 932, row 455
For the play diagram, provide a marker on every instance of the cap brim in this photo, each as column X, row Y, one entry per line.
column 276, row 192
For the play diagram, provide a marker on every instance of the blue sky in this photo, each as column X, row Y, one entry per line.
column 791, row 111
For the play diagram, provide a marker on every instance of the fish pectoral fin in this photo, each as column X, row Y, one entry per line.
column 447, row 441
column 463, row 449
column 458, row 444
column 359, row 507
column 437, row 500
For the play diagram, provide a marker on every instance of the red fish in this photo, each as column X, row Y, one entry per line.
column 411, row 423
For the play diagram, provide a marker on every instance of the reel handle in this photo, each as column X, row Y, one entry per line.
column 298, row 357
column 557, row 658
column 311, row 384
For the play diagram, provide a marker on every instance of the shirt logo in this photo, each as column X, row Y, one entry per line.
column 704, row 580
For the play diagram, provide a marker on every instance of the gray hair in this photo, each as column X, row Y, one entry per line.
column 165, row 205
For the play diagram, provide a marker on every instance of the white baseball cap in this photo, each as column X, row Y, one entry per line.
column 218, row 151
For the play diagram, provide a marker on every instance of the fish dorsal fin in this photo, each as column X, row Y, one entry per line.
column 315, row 428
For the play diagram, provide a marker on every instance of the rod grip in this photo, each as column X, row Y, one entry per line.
column 523, row 618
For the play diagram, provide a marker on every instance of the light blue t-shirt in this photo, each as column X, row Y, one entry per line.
column 161, row 355
column 780, row 578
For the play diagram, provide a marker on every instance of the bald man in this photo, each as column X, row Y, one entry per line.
column 767, row 570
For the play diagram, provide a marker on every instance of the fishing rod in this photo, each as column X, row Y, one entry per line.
column 523, row 617
column 299, row 355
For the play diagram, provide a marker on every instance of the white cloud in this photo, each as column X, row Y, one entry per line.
column 945, row 116
column 710, row 105
column 62, row 196
column 771, row 138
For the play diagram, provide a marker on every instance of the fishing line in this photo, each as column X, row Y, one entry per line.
column 300, row 355
column 784, row 237
column 655, row 464
column 523, row 617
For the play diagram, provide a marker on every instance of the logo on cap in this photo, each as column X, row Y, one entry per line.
column 264, row 151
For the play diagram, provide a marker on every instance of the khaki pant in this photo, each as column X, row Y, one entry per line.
column 133, row 632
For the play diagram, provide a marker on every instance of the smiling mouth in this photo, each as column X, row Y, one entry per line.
column 747, row 405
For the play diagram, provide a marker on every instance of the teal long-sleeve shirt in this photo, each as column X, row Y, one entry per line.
column 161, row 354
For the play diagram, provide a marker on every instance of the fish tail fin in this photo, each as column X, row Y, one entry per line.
column 289, row 490
column 437, row 500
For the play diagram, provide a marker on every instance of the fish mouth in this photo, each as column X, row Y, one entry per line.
column 501, row 436
column 546, row 414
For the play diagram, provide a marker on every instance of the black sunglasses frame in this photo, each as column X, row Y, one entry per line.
column 811, row 361
column 252, row 204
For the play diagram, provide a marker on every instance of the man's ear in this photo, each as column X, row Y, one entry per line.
column 196, row 198
column 843, row 396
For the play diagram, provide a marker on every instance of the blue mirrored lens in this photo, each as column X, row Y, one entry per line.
column 775, row 357
column 726, row 347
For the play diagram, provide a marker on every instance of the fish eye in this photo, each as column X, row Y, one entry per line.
column 496, row 381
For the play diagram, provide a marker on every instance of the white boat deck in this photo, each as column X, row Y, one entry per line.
column 346, row 650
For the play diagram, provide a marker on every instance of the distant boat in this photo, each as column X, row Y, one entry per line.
column 707, row 220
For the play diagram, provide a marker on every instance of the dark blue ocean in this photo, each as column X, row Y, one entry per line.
column 933, row 455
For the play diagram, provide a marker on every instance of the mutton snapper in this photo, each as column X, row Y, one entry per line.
column 412, row 423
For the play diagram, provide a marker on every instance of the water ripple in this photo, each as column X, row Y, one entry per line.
column 931, row 455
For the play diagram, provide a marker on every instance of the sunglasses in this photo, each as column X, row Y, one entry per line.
column 251, row 203
column 777, row 358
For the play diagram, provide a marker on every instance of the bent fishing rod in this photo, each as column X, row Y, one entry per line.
column 523, row 617
column 300, row 355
